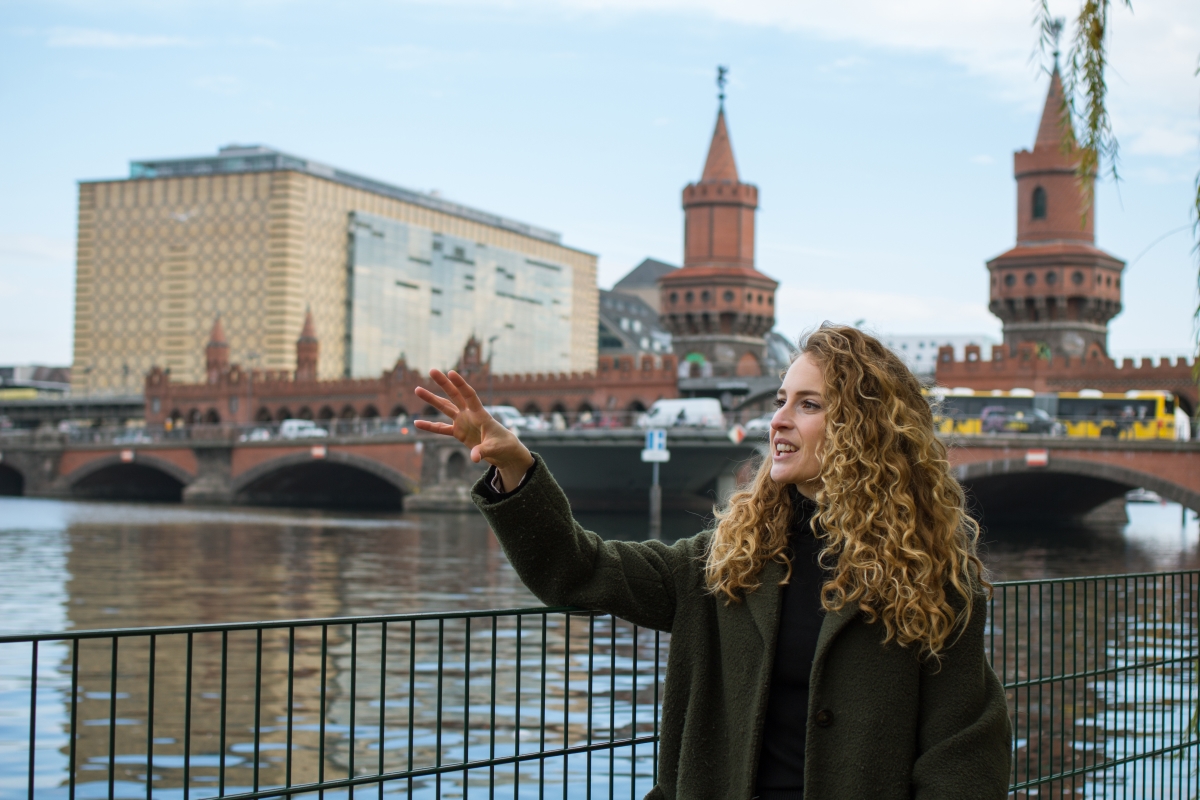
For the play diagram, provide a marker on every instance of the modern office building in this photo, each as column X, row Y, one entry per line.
column 259, row 237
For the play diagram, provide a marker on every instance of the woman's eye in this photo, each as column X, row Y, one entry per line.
column 778, row 402
column 809, row 405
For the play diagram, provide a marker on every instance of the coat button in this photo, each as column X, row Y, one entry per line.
column 824, row 717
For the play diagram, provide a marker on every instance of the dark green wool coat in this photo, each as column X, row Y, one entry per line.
column 881, row 724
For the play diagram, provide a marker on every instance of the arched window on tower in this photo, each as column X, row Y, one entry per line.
column 1039, row 203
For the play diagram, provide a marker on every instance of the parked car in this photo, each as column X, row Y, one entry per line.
column 998, row 419
column 760, row 425
column 507, row 416
column 301, row 429
column 256, row 435
column 691, row 412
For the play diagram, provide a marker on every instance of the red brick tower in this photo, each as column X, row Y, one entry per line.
column 216, row 353
column 1055, row 291
column 718, row 306
column 307, row 350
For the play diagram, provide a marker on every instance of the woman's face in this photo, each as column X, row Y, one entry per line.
column 798, row 427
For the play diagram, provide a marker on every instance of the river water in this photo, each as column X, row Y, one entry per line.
column 78, row 565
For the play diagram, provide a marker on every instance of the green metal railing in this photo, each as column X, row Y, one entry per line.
column 1100, row 673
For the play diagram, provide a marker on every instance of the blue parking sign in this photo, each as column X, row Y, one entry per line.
column 656, row 439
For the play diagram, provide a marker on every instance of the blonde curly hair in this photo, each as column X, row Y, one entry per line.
column 895, row 533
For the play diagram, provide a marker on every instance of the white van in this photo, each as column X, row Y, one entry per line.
column 300, row 429
column 690, row 412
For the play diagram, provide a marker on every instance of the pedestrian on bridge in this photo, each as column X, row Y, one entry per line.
column 827, row 631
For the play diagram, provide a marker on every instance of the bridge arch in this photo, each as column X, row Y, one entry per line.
column 12, row 481
column 338, row 480
column 144, row 478
column 1066, row 487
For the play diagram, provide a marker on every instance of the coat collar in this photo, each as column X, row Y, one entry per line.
column 763, row 602
column 830, row 628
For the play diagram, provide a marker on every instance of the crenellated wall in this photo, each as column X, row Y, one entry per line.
column 1029, row 370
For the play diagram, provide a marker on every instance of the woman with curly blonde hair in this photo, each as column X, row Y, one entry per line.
column 827, row 632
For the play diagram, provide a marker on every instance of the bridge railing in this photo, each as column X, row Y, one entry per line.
column 1100, row 675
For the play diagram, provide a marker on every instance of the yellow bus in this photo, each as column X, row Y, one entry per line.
column 1087, row 413
column 1133, row 415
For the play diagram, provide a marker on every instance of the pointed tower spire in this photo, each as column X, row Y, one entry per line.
column 720, row 167
column 216, row 353
column 1055, row 127
column 308, row 349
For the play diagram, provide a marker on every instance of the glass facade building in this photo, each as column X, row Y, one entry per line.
column 422, row 294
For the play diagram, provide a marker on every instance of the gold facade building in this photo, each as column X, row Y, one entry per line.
column 259, row 237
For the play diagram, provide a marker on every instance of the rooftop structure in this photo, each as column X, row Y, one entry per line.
column 265, row 240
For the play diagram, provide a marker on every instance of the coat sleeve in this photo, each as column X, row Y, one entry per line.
column 964, row 734
column 563, row 564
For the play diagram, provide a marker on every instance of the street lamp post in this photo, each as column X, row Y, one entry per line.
column 491, row 348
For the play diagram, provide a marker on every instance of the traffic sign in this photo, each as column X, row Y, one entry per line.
column 656, row 446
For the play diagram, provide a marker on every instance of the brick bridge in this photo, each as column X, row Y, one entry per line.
column 1007, row 477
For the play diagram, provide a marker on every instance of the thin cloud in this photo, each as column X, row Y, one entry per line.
column 112, row 40
column 24, row 247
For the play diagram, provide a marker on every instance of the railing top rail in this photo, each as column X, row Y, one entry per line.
column 1093, row 578
column 217, row 627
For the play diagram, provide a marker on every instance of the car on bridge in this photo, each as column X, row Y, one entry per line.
column 1000, row 419
column 301, row 429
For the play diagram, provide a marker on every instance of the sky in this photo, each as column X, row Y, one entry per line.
column 880, row 134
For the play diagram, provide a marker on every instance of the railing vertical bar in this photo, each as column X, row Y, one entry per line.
column 112, row 722
column 33, row 681
column 322, row 718
column 149, row 719
column 291, row 701
column 187, row 723
column 350, row 771
column 466, row 698
column 517, row 714
column 566, row 699
column 74, row 718
column 382, row 700
column 492, row 717
column 591, row 677
column 441, row 665
column 633, row 724
column 657, row 665
column 258, row 646
column 542, row 716
column 612, row 707
column 224, row 722
column 412, row 700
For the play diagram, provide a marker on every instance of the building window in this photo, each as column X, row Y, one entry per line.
column 1051, row 278
column 749, row 297
column 1010, row 279
column 705, row 296
column 1077, row 277
column 1030, row 279
column 674, row 297
column 728, row 296
column 689, row 297
column 1039, row 203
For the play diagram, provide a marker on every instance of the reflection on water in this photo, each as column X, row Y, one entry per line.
column 66, row 565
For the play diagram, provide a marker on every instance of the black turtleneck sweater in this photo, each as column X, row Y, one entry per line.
column 781, row 763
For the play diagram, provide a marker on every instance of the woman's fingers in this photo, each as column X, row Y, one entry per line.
column 435, row 427
column 466, row 392
column 449, row 387
column 440, row 403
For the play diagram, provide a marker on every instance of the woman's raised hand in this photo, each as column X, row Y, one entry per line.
column 472, row 425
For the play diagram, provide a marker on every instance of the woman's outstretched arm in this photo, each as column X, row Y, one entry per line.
column 558, row 560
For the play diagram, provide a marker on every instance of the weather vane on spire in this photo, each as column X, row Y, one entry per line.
column 1054, row 29
column 721, row 81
